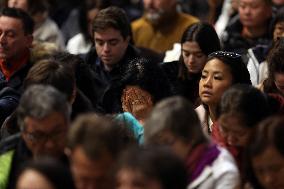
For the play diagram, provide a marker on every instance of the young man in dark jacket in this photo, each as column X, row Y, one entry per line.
column 110, row 57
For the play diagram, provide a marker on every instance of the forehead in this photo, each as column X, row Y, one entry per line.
column 279, row 23
column 52, row 122
column 163, row 2
column 216, row 65
column 231, row 120
column 33, row 180
column 279, row 78
column 18, row 4
column 191, row 46
column 253, row 1
column 88, row 167
column 107, row 34
column 10, row 23
column 269, row 156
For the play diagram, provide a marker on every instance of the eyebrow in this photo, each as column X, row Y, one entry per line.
column 214, row 72
column 109, row 40
column 217, row 72
column 9, row 31
column 191, row 51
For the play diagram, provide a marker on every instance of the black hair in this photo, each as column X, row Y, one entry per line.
column 55, row 172
column 28, row 23
column 149, row 76
column 205, row 36
column 275, row 61
column 239, row 71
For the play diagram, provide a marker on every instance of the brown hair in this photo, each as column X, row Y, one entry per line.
column 112, row 17
column 98, row 134
column 53, row 73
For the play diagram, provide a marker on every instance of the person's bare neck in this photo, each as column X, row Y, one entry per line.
column 212, row 113
column 253, row 32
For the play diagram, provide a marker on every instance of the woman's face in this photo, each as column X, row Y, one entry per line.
column 269, row 168
column 216, row 78
column 234, row 130
column 194, row 59
column 279, row 82
column 134, row 179
column 33, row 180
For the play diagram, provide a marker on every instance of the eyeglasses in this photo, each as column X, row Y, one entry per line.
column 42, row 137
column 224, row 54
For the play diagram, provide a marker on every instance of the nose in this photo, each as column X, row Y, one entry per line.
column 49, row 144
column 232, row 140
column 2, row 38
column 90, row 186
column 190, row 59
column 106, row 47
column 267, row 178
column 207, row 82
column 13, row 3
column 148, row 3
column 247, row 10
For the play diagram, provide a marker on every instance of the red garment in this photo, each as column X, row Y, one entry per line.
column 9, row 68
column 277, row 107
column 220, row 140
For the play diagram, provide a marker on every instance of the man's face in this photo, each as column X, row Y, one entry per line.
column 156, row 10
column 254, row 13
column 46, row 136
column 89, row 173
column 21, row 4
column 13, row 40
column 110, row 46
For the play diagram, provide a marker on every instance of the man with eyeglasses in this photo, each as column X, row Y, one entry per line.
column 43, row 116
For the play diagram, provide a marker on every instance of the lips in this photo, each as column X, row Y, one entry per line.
column 247, row 20
column 2, row 49
column 106, row 58
column 206, row 93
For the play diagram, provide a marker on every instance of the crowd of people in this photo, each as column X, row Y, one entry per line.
column 152, row 94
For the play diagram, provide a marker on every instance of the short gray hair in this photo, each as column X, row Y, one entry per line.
column 176, row 115
column 39, row 101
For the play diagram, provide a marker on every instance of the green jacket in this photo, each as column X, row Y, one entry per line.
column 5, row 164
column 13, row 153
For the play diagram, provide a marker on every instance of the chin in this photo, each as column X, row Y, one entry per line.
column 3, row 56
column 205, row 101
